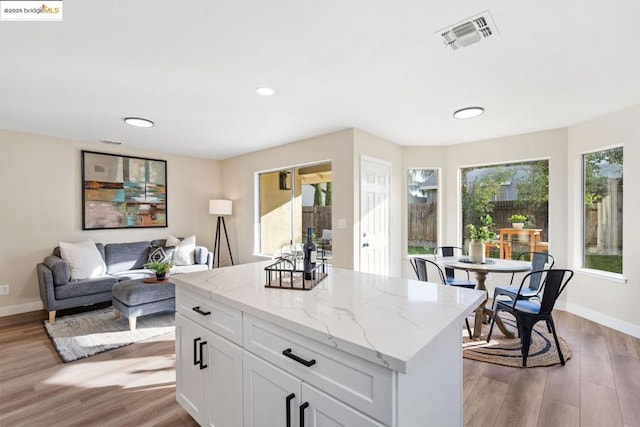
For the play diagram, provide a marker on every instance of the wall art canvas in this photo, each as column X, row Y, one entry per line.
column 123, row 192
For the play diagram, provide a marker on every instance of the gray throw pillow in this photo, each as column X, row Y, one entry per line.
column 161, row 254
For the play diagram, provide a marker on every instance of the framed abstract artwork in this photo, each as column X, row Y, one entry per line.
column 123, row 192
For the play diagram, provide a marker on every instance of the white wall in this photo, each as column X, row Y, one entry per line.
column 603, row 298
column 40, row 183
column 238, row 175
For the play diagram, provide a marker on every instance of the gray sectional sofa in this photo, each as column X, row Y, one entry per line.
column 124, row 261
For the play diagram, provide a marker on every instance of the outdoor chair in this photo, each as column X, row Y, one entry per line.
column 449, row 273
column 539, row 261
column 420, row 268
column 530, row 311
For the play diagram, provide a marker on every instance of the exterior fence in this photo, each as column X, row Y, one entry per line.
column 318, row 217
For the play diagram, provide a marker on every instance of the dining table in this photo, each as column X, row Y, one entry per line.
column 481, row 270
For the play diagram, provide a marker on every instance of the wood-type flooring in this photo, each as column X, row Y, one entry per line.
column 135, row 385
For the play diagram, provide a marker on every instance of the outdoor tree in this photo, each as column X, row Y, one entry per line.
column 478, row 193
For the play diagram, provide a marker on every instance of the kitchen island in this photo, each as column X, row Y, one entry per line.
column 356, row 350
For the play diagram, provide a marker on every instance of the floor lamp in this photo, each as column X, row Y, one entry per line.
column 220, row 208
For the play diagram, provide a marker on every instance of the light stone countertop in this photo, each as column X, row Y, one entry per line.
column 389, row 321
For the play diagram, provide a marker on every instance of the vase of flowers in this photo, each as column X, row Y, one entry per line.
column 479, row 236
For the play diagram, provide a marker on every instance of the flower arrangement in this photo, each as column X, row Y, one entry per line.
column 482, row 232
column 515, row 218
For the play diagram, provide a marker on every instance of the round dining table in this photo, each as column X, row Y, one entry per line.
column 491, row 265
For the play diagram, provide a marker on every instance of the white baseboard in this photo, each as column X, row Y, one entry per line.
column 603, row 319
column 21, row 308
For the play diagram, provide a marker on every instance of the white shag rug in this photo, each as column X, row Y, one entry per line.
column 82, row 335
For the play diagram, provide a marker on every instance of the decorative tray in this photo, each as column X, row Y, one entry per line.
column 288, row 273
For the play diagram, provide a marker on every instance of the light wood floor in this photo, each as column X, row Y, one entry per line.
column 135, row 385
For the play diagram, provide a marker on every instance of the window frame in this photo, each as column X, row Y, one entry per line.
column 439, row 207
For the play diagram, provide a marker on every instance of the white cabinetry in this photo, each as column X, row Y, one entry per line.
column 273, row 397
column 208, row 375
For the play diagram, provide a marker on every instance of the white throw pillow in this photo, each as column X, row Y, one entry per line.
column 185, row 249
column 84, row 259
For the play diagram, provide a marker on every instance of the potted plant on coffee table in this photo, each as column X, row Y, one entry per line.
column 160, row 268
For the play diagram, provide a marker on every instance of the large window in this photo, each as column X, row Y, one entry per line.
column 290, row 201
column 422, row 207
column 603, row 210
column 505, row 190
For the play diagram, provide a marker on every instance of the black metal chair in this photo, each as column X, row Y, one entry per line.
column 449, row 273
column 420, row 268
column 539, row 261
column 530, row 311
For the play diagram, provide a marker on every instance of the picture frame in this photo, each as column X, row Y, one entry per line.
column 123, row 191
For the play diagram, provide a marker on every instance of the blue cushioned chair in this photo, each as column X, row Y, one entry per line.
column 530, row 311
column 449, row 251
column 539, row 261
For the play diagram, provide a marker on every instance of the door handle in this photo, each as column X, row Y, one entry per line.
column 365, row 245
column 199, row 311
column 202, row 365
column 298, row 359
column 302, row 408
column 195, row 351
column 288, row 405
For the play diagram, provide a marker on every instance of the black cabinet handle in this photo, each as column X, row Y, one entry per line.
column 195, row 351
column 197, row 310
column 302, row 408
column 299, row 359
column 202, row 365
column 288, row 405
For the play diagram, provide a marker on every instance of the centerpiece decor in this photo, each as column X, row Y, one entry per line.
column 160, row 268
column 479, row 236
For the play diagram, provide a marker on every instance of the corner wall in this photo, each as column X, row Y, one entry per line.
column 40, row 182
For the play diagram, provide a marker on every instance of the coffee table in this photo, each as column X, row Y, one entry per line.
column 134, row 298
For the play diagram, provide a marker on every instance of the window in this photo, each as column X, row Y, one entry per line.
column 602, row 234
column 504, row 190
column 422, row 207
column 290, row 201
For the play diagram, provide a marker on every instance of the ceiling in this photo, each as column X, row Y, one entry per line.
column 380, row 66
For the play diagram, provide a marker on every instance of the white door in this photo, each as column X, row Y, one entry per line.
column 271, row 396
column 374, row 215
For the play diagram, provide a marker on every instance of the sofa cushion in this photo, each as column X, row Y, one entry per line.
column 185, row 248
column 200, row 255
column 84, row 287
column 99, row 246
column 126, row 256
column 59, row 269
column 84, row 259
column 161, row 253
column 133, row 274
column 179, row 269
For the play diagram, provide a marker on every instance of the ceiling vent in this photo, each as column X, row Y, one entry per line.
column 469, row 31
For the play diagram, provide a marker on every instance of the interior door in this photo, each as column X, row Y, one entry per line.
column 374, row 215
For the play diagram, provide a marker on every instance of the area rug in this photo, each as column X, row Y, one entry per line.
column 82, row 335
column 508, row 352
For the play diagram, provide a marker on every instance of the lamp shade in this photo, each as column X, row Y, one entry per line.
column 220, row 207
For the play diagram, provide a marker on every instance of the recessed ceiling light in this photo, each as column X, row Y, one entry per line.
column 138, row 122
column 265, row 91
column 468, row 113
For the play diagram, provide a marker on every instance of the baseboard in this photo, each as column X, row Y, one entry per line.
column 21, row 308
column 603, row 319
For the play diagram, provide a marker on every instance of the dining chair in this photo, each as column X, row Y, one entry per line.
column 420, row 267
column 530, row 311
column 539, row 261
column 449, row 273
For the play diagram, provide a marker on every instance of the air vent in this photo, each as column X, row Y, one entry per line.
column 469, row 31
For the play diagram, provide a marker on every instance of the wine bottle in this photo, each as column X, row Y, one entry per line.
column 310, row 256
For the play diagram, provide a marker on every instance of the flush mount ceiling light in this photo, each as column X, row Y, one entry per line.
column 468, row 113
column 265, row 91
column 138, row 122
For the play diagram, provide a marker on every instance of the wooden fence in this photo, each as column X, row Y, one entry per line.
column 422, row 222
column 318, row 217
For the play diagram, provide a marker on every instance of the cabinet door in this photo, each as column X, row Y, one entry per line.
column 325, row 411
column 190, row 378
column 271, row 396
column 224, row 360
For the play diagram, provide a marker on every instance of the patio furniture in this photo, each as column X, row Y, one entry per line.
column 506, row 237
